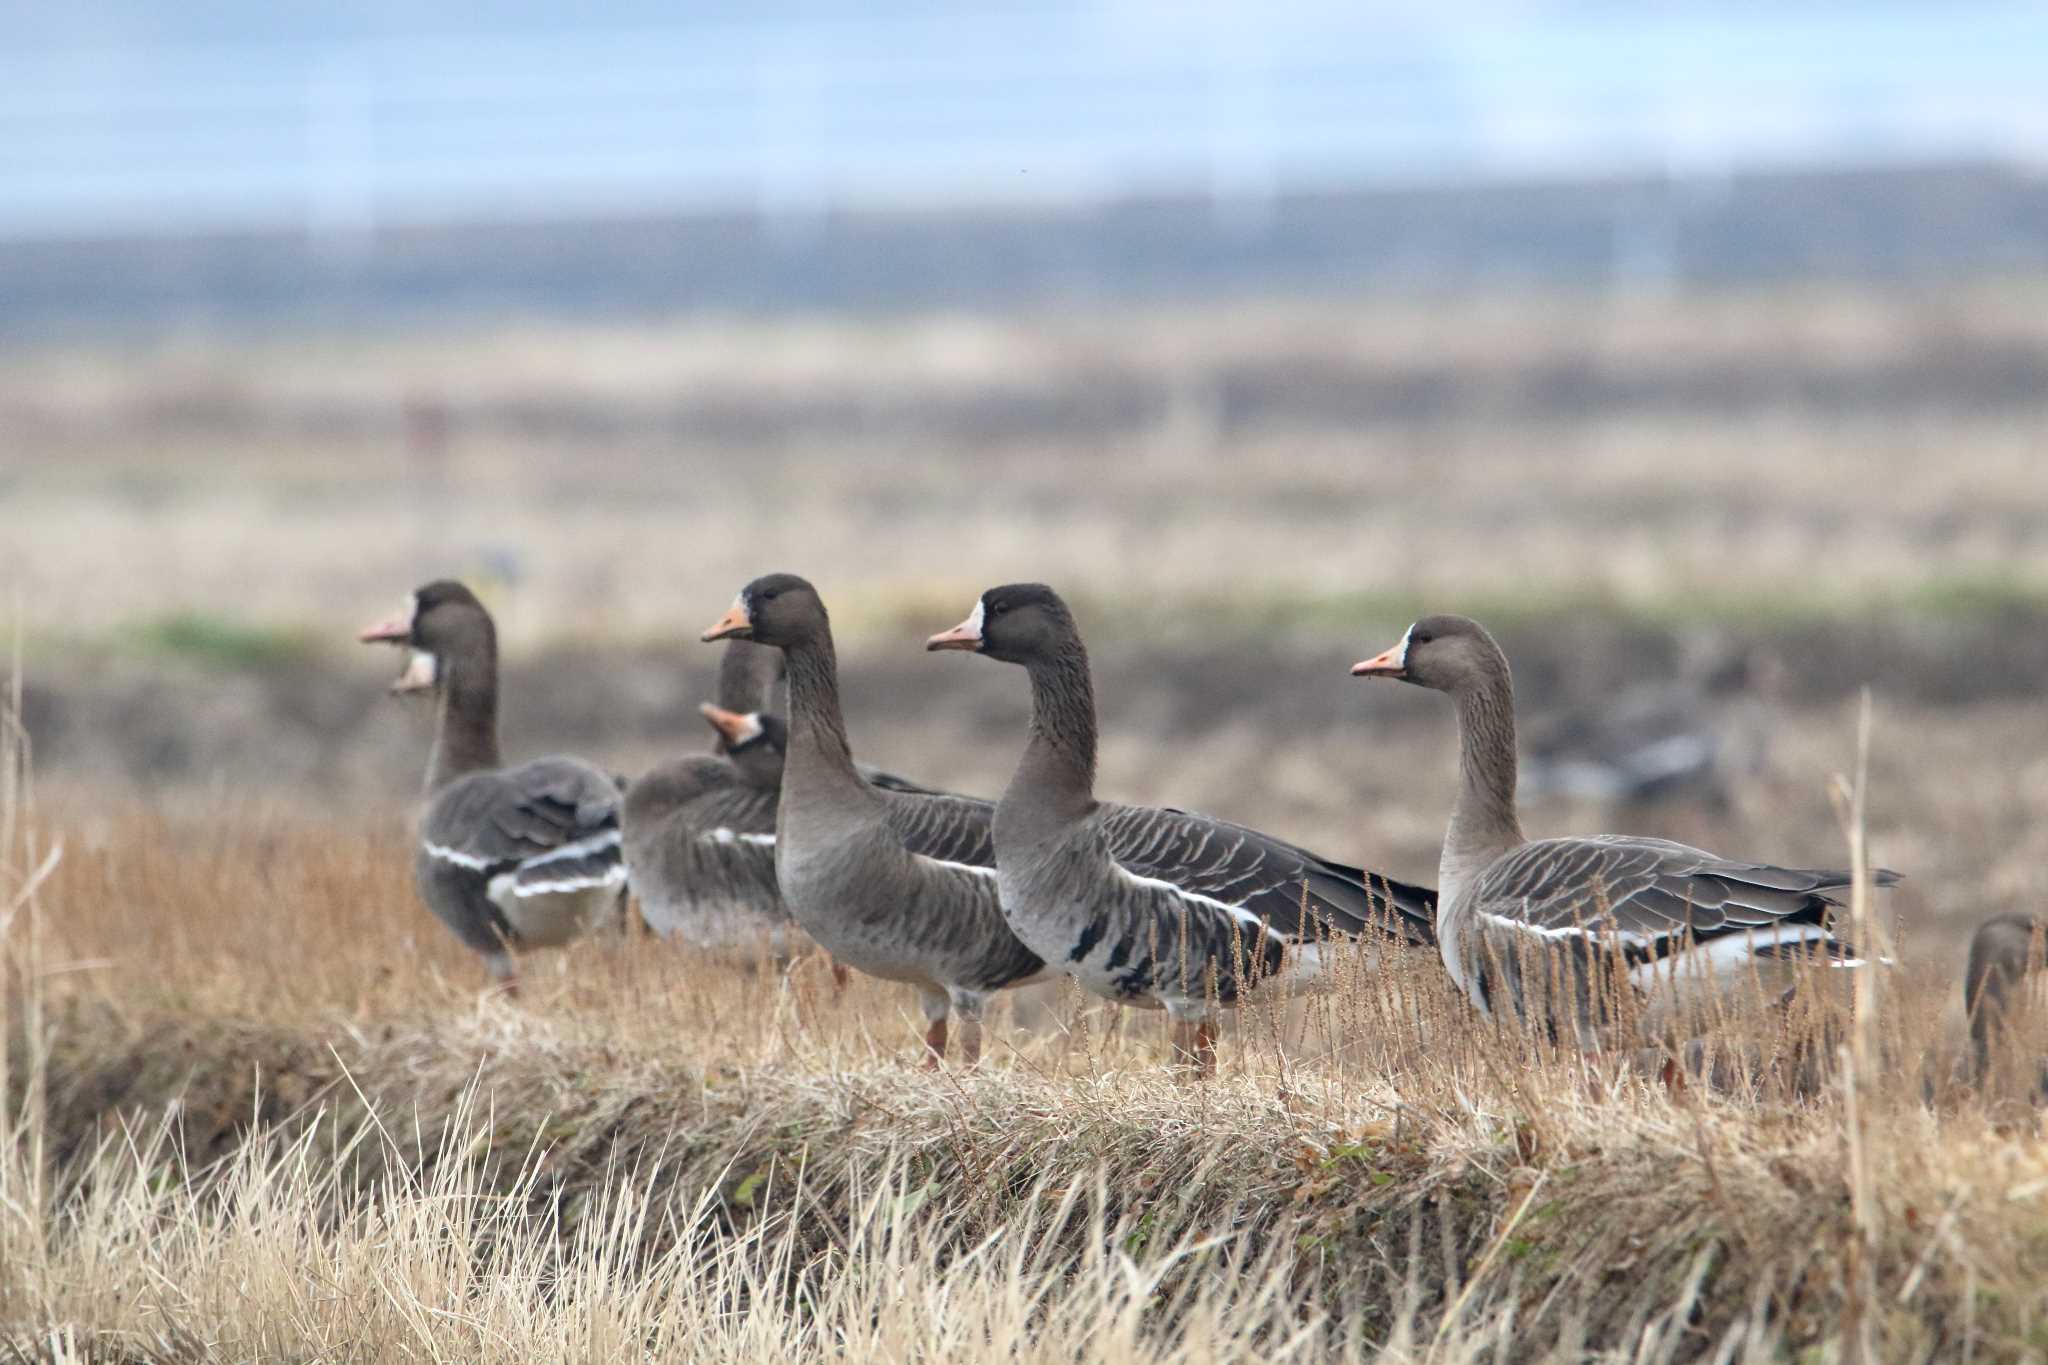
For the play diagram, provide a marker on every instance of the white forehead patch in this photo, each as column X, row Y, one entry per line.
column 743, row 604
column 972, row 625
column 751, row 730
column 1401, row 659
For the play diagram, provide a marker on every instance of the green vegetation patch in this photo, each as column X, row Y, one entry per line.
column 220, row 643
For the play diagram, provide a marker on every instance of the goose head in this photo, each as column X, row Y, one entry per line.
column 439, row 622
column 780, row 609
column 753, row 740
column 1444, row 653
column 1016, row 623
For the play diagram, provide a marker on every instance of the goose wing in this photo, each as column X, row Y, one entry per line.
column 1649, row 894
column 1264, row 877
column 943, row 827
column 552, row 823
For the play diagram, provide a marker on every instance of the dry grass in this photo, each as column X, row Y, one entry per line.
column 256, row 1109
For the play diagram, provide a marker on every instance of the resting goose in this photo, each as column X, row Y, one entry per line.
column 1654, row 744
column 2003, row 951
column 1148, row 906
column 509, row 858
column 700, row 831
column 891, row 882
column 1653, row 909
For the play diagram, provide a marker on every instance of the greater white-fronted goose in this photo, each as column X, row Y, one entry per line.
column 1150, row 906
column 700, row 830
column 1646, row 910
column 1685, row 740
column 2003, row 952
column 509, row 858
column 886, row 881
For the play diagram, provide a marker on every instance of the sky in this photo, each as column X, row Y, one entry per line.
column 119, row 116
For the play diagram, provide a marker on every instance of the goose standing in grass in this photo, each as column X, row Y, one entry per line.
column 1588, row 909
column 509, row 858
column 700, row 831
column 1152, row 907
column 2003, row 952
column 895, row 883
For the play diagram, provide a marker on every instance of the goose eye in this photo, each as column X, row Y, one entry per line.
column 998, row 609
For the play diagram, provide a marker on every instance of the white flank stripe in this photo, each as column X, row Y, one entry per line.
column 722, row 835
column 1593, row 931
column 596, row 843
column 961, row 867
column 1731, row 952
column 456, row 856
column 1243, row 916
column 611, row 876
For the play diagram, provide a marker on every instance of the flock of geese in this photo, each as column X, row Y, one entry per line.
column 779, row 835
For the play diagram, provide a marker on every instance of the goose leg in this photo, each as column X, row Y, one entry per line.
column 1205, row 1046
column 968, row 1005
column 840, row 974
column 503, row 972
column 935, row 1007
column 1194, row 1038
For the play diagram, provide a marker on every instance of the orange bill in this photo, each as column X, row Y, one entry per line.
column 734, row 728
column 734, row 622
column 397, row 630
column 1389, row 663
column 966, row 635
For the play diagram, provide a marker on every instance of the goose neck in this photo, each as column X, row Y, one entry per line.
column 1057, row 775
column 1484, row 822
column 466, row 721
column 817, row 728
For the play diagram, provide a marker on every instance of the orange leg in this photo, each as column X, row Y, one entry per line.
column 1194, row 1047
column 935, row 1044
column 840, row 975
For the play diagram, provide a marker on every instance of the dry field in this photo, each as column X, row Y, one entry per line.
column 1740, row 452
column 256, row 1108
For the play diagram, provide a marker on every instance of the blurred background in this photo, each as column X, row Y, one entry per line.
column 1699, row 347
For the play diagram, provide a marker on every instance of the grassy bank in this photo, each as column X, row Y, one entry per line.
column 255, row 1108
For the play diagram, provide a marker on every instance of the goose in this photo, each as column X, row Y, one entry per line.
column 1680, row 741
column 509, row 858
column 2003, row 951
column 1151, row 906
column 1651, row 908
column 699, row 831
column 897, row 884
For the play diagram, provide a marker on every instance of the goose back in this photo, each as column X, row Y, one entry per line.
column 1151, row 906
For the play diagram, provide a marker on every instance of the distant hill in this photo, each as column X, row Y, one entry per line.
column 1926, row 224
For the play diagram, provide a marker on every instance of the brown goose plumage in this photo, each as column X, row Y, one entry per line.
column 1151, row 906
column 700, row 830
column 508, row 858
column 873, row 874
column 1649, row 907
column 2004, row 951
